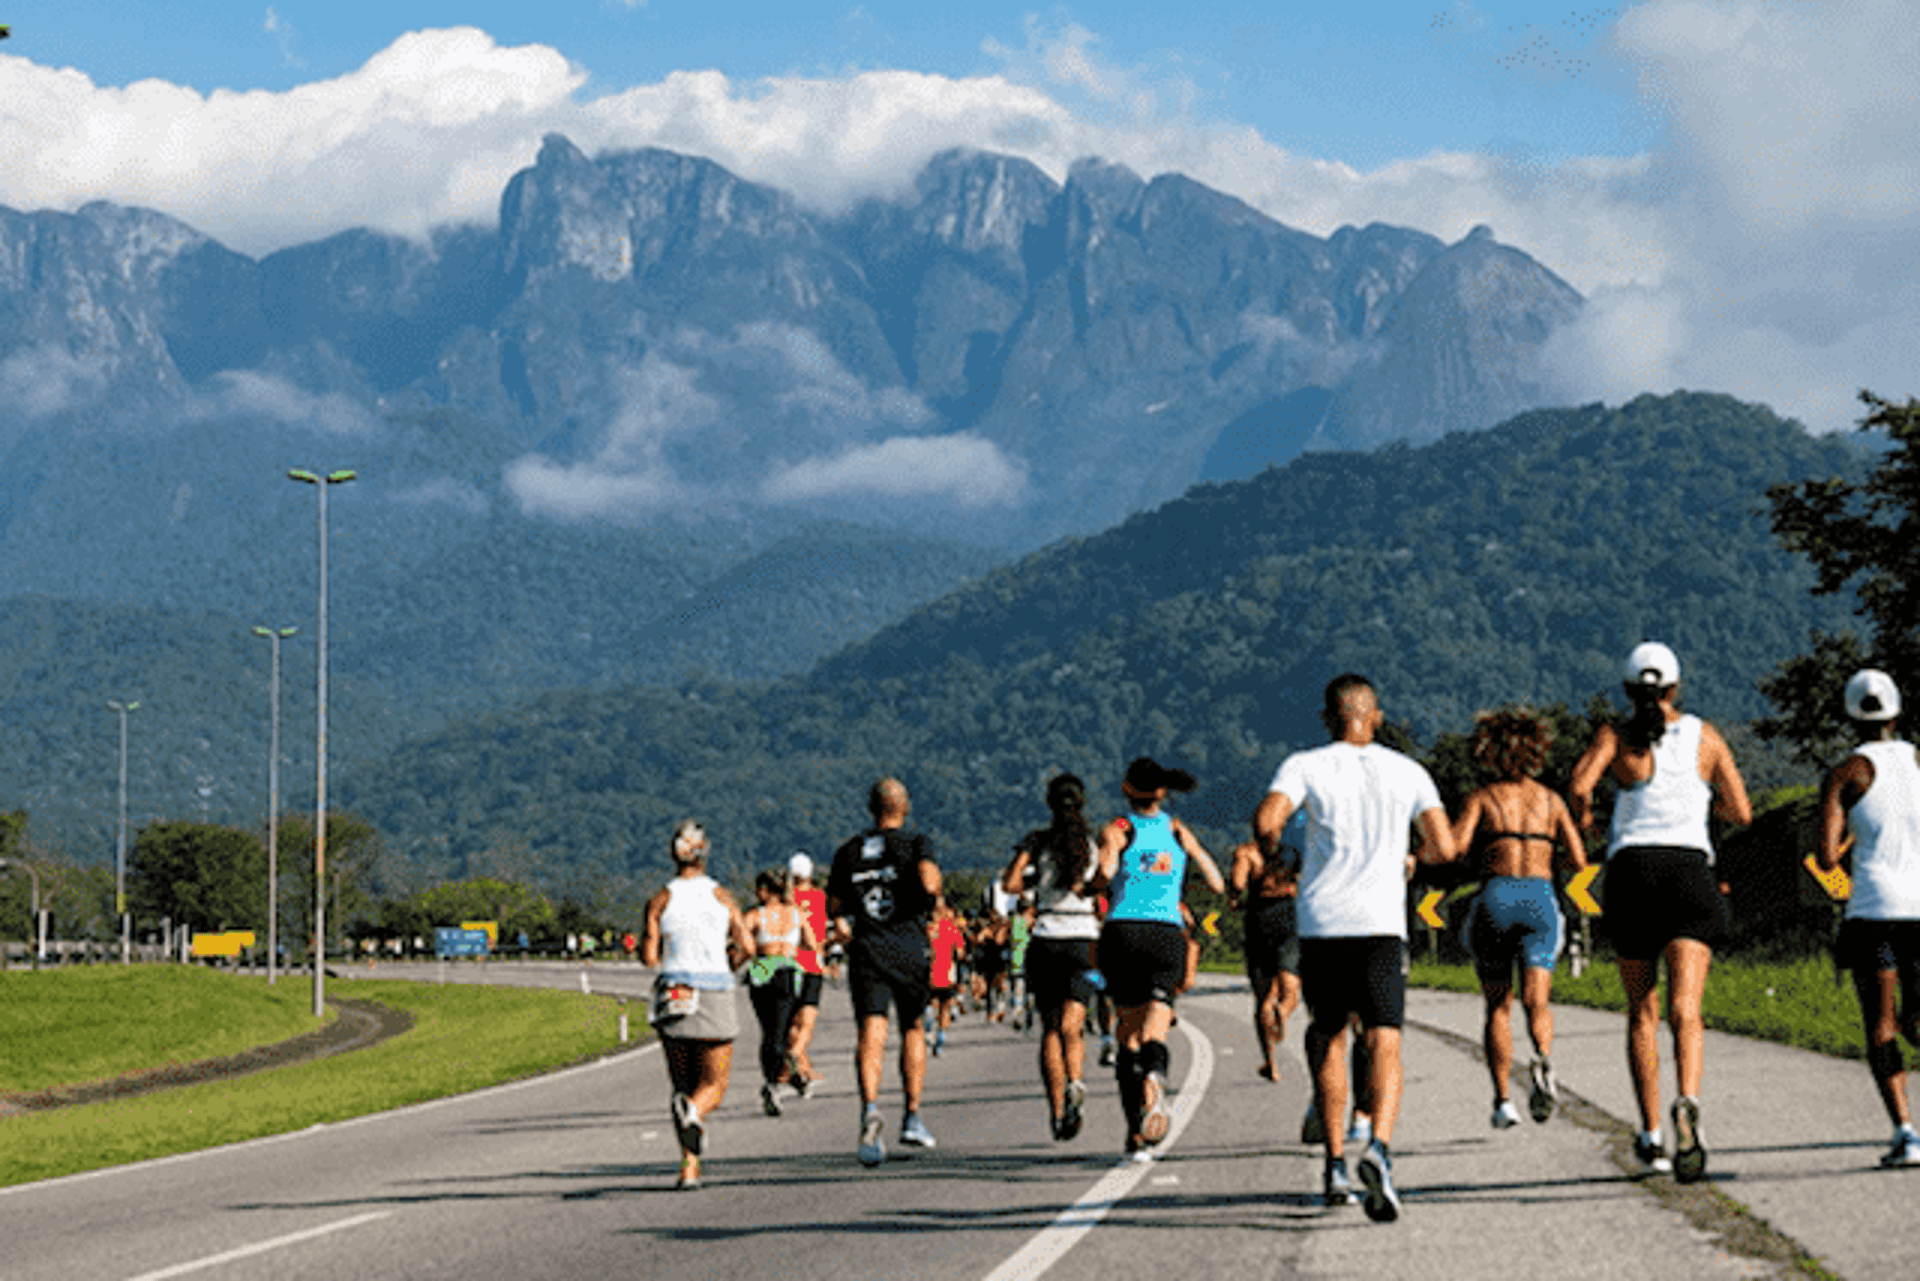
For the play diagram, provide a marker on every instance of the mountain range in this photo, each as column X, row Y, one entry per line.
column 661, row 421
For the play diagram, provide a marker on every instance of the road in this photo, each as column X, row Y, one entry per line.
column 571, row 1175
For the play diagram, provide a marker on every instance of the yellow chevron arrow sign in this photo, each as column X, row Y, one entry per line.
column 1429, row 909
column 1580, row 890
column 1836, row 883
column 1211, row 923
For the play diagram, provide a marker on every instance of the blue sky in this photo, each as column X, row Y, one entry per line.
column 1731, row 183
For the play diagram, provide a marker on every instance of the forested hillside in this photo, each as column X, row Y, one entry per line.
column 1516, row 563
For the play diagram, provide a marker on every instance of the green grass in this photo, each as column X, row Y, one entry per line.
column 1799, row 1003
column 463, row 1038
column 65, row 1026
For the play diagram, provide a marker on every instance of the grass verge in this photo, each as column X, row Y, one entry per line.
column 62, row 1027
column 463, row 1038
column 1802, row 1003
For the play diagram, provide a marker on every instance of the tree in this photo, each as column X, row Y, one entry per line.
column 1865, row 537
column 199, row 874
column 354, row 848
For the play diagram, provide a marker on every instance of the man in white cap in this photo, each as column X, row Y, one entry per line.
column 1872, row 803
column 812, row 903
column 1671, row 771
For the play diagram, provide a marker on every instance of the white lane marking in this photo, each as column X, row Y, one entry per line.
column 248, row 1251
column 1053, row 1241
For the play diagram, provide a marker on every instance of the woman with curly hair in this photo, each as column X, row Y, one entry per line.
column 1513, row 825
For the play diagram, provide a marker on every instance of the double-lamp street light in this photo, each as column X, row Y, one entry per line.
column 120, row 863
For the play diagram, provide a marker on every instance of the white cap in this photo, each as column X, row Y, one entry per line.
column 800, row 867
column 1872, row 696
column 1651, row 663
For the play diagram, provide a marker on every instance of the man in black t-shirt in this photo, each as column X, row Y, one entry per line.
column 881, row 894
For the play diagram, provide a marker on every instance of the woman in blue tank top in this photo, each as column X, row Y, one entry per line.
column 1143, row 861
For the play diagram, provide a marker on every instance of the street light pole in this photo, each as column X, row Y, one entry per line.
column 34, row 943
column 321, row 483
column 273, row 809
column 120, row 863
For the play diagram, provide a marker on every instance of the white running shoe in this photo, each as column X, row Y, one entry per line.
column 687, row 1125
column 1905, row 1151
column 1652, row 1156
column 914, row 1133
column 1157, row 1119
column 1545, row 1092
column 873, row 1149
column 769, row 1101
column 1382, row 1202
column 1505, row 1115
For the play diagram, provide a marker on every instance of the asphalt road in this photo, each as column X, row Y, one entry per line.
column 571, row 1175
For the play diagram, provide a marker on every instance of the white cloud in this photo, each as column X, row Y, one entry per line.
column 961, row 468
column 44, row 380
column 1764, row 246
column 247, row 393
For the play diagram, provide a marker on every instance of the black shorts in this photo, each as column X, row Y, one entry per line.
column 810, row 986
column 1143, row 961
column 1364, row 976
column 1874, row 947
column 883, row 977
column 1272, row 940
column 1655, row 894
column 1058, row 971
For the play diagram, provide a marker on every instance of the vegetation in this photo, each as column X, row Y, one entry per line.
column 463, row 1038
column 1865, row 536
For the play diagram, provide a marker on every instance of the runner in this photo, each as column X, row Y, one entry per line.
column 780, row 930
column 886, row 882
column 1143, row 860
column 1672, row 771
column 1263, row 891
column 949, row 944
column 694, row 938
column 1054, row 864
column 1361, row 799
column 812, row 902
column 1517, row 823
column 987, row 946
column 1872, row 803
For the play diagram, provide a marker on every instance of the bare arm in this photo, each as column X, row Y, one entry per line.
column 1014, row 879
column 739, row 939
column 1729, row 789
column 1209, row 870
column 1270, row 820
column 1469, row 821
column 1845, row 786
column 1587, row 773
column 1113, row 839
column 650, row 932
column 1567, row 832
column 1438, row 847
column 1246, row 865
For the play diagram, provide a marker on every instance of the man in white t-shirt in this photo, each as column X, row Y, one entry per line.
column 1362, row 800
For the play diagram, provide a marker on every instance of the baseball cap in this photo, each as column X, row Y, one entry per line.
column 800, row 866
column 1872, row 696
column 1651, row 663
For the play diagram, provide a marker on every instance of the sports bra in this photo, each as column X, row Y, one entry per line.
column 762, row 936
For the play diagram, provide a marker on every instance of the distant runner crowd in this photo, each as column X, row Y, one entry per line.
column 1087, row 925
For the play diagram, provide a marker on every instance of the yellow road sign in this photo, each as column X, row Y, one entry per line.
column 1211, row 923
column 1836, row 883
column 1580, row 890
column 1428, row 906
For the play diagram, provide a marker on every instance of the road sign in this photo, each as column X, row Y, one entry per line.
column 1429, row 909
column 1836, row 883
column 1211, row 923
column 229, row 943
column 451, row 941
column 1580, row 890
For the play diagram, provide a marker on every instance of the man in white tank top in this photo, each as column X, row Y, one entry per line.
column 1871, row 809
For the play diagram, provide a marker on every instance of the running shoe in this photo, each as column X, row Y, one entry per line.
column 939, row 1042
column 1074, row 1113
column 873, row 1150
column 769, row 1101
column 1545, row 1093
column 1336, row 1185
column 1155, row 1122
column 1359, row 1131
column 803, row 1085
column 1139, row 1151
column 1106, row 1052
column 1905, row 1150
column 1505, row 1115
column 689, row 1175
column 1313, row 1131
column 1382, row 1203
column 914, row 1133
column 1689, row 1155
column 687, row 1125
column 1647, row 1150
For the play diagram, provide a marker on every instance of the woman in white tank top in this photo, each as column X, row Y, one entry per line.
column 1670, row 771
column 695, row 937
column 1871, row 810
